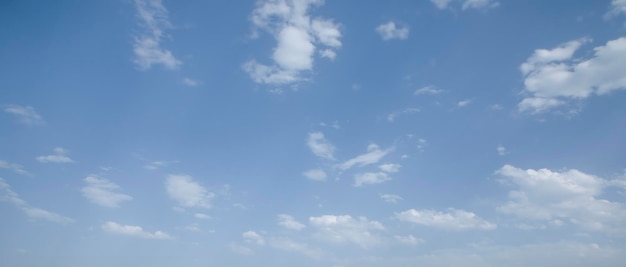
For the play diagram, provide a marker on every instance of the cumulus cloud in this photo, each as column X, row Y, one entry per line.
column 345, row 229
column 367, row 178
column 253, row 237
column 390, row 198
column 288, row 222
column 19, row 169
column 188, row 193
column 567, row 196
column 389, row 31
column 553, row 77
column 315, row 175
column 25, row 114
column 7, row 194
column 320, row 146
column 134, row 231
column 373, row 155
column 298, row 36
column 102, row 192
column 618, row 7
column 153, row 21
column 58, row 157
column 453, row 219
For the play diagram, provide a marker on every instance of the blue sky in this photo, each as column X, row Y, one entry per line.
column 310, row 132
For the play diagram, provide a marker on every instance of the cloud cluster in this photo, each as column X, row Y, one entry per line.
column 7, row 194
column 345, row 229
column 102, row 192
column 453, row 219
column 389, row 31
column 298, row 37
column 134, row 231
column 553, row 77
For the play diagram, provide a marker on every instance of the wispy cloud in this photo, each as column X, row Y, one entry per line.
column 373, row 155
column 346, row 229
column 187, row 192
column 102, row 192
column 25, row 114
column 315, row 175
column 453, row 219
column 153, row 21
column 390, row 30
column 7, row 194
column 428, row 90
column 288, row 222
column 391, row 117
column 58, row 157
column 19, row 169
column 390, row 198
column 320, row 146
column 134, row 231
column 467, row 4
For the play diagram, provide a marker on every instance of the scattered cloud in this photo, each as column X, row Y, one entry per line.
column 554, row 77
column 58, row 157
column 390, row 167
column 389, row 198
column 292, row 246
column 7, row 194
column 288, row 222
column 361, row 179
column 373, row 155
column 392, row 116
column 155, row 165
column 102, row 192
column 202, row 216
column 428, row 90
column 467, row 4
column 19, row 169
column 190, row 82
column 315, row 175
column 618, row 7
column 453, row 219
column 567, row 196
column 298, row 36
column 153, row 21
column 501, row 150
column 25, row 114
column 389, row 31
column 320, row 146
column 240, row 249
column 188, row 193
column 345, row 229
column 441, row 4
column 409, row 240
column 253, row 238
column 134, row 231
column 421, row 144
column 464, row 103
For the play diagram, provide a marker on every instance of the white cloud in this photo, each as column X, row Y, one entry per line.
column 392, row 116
column 58, row 157
column 428, row 90
column 102, row 192
column 373, row 155
column 7, row 194
column 188, row 193
column 315, row 175
column 441, row 4
column 134, row 231
column 390, row 167
column 190, row 82
column 389, row 31
column 553, row 77
column 241, row 249
column 618, row 7
column 501, row 150
column 253, row 237
column 154, row 165
column 569, row 196
column 390, row 198
column 345, row 229
column 292, row 246
column 287, row 221
column 409, row 240
column 320, row 146
column 19, row 169
column 452, row 220
column 421, row 144
column 25, row 114
column 153, row 20
column 298, row 37
column 464, row 103
column 202, row 216
column 361, row 179
column 480, row 4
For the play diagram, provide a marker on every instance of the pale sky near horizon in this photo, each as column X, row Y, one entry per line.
column 313, row 133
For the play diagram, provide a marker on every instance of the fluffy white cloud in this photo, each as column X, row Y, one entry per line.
column 25, row 114
column 374, row 155
column 188, row 193
column 315, row 175
column 554, row 77
column 19, row 169
column 409, row 240
column 452, row 220
column 153, row 20
column 570, row 196
column 428, row 90
column 287, row 221
column 58, row 157
column 320, row 146
column 390, row 198
column 618, row 7
column 253, row 237
column 345, row 229
column 370, row 178
column 297, row 36
column 102, row 192
column 7, row 194
column 390, row 167
column 390, row 31
column 134, row 231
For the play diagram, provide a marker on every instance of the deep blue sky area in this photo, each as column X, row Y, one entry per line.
column 313, row 133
